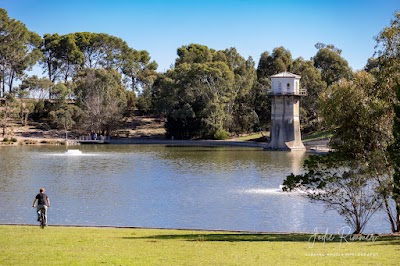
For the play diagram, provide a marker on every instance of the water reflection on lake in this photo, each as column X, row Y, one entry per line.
column 160, row 186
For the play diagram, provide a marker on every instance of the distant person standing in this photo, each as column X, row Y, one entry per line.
column 43, row 202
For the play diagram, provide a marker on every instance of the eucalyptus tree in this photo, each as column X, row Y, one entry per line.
column 147, row 79
column 69, row 56
column 61, row 57
column 194, row 53
column 199, row 94
column 348, row 180
column 66, row 117
column 392, row 188
column 137, row 68
column 63, row 114
column 112, row 47
column 101, row 50
column 66, row 54
column 19, row 50
column 270, row 64
column 372, row 65
column 90, row 44
column 38, row 87
column 50, row 62
column 388, row 57
column 311, row 80
column 241, row 109
column 262, row 103
column 102, row 97
column 332, row 65
column 207, row 92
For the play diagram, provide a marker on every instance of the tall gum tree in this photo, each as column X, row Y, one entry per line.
column 50, row 62
column 311, row 80
column 332, row 65
column 206, row 92
column 102, row 97
column 19, row 51
column 387, row 70
column 279, row 60
column 348, row 179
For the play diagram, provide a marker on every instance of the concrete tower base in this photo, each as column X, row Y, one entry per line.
column 285, row 124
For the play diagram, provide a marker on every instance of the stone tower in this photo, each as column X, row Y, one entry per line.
column 285, row 120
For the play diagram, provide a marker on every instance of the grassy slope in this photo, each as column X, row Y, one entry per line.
column 24, row 245
column 318, row 135
column 251, row 137
column 314, row 136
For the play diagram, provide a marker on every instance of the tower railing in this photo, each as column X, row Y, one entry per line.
column 303, row 92
column 300, row 92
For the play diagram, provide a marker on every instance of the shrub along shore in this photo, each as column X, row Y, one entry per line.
column 59, row 245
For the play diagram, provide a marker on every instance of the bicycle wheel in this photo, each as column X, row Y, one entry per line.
column 42, row 219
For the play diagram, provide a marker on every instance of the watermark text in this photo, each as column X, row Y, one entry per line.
column 343, row 235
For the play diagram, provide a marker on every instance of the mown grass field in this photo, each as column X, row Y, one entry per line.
column 29, row 245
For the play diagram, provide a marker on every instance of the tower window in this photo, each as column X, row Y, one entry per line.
column 288, row 86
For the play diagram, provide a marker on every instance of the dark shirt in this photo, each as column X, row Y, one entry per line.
column 42, row 199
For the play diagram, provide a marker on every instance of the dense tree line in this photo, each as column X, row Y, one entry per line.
column 209, row 93
column 206, row 93
column 68, row 61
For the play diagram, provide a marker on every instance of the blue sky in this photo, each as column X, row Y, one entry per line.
column 252, row 26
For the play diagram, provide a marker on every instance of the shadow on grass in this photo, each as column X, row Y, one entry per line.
column 228, row 237
column 388, row 240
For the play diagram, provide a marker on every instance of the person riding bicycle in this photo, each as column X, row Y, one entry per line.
column 43, row 202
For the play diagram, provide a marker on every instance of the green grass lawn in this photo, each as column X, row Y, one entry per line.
column 252, row 136
column 318, row 135
column 314, row 136
column 28, row 245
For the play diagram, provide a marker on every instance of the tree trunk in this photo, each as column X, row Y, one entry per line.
column 398, row 216
column 389, row 214
column 1, row 88
column 358, row 228
column 50, row 73
column 26, row 118
column 3, row 81
column 10, row 83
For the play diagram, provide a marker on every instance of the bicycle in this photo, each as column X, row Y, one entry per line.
column 42, row 203
column 42, row 218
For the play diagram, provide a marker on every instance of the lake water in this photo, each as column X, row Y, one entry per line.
column 165, row 187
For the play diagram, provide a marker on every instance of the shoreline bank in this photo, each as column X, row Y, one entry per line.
column 204, row 143
column 314, row 145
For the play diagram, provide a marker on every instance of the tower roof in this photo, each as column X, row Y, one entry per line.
column 285, row 75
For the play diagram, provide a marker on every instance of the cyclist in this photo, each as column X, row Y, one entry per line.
column 43, row 202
